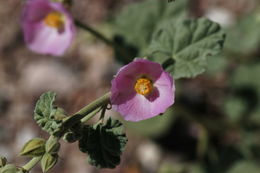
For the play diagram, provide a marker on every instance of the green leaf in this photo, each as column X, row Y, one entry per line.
column 34, row 147
column 241, row 76
column 48, row 161
column 135, row 25
column 234, row 108
column 104, row 143
column 246, row 77
column 217, row 64
column 182, row 46
column 241, row 43
column 244, row 166
column 48, row 116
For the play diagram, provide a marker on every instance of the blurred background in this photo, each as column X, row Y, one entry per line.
column 214, row 127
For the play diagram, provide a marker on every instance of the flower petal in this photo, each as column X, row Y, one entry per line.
column 42, row 38
column 134, row 106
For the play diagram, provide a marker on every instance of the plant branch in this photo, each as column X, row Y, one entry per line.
column 89, row 116
column 119, row 48
column 95, row 33
column 85, row 112
column 82, row 115
column 28, row 166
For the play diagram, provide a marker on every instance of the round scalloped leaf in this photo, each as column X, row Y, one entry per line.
column 182, row 46
column 135, row 25
column 103, row 143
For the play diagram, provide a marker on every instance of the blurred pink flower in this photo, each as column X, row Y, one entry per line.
column 47, row 27
column 141, row 90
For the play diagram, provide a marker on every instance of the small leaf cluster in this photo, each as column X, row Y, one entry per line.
column 104, row 143
column 48, row 116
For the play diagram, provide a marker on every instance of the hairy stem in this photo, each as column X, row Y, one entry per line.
column 94, row 105
column 122, row 50
column 28, row 166
column 85, row 112
column 89, row 116
column 94, row 32
column 82, row 115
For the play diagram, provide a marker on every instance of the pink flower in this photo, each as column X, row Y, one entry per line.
column 47, row 27
column 141, row 90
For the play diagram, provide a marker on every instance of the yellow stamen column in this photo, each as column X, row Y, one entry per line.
column 143, row 86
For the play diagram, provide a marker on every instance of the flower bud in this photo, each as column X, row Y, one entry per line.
column 9, row 168
column 48, row 161
column 2, row 161
column 52, row 146
column 34, row 147
column 21, row 170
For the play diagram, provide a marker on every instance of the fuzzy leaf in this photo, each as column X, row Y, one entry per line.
column 135, row 25
column 182, row 46
column 246, row 80
column 103, row 143
column 48, row 116
column 249, row 24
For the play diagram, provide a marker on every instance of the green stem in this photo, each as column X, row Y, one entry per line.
column 82, row 115
column 121, row 49
column 94, row 105
column 85, row 111
column 28, row 166
column 95, row 33
column 89, row 116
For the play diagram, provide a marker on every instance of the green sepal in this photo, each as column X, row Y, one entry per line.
column 104, row 143
column 34, row 147
column 9, row 168
column 48, row 161
column 3, row 161
column 52, row 146
column 49, row 117
column 183, row 46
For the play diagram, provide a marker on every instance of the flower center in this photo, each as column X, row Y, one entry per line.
column 143, row 86
column 54, row 19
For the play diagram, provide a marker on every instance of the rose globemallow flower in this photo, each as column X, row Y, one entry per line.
column 141, row 90
column 48, row 27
